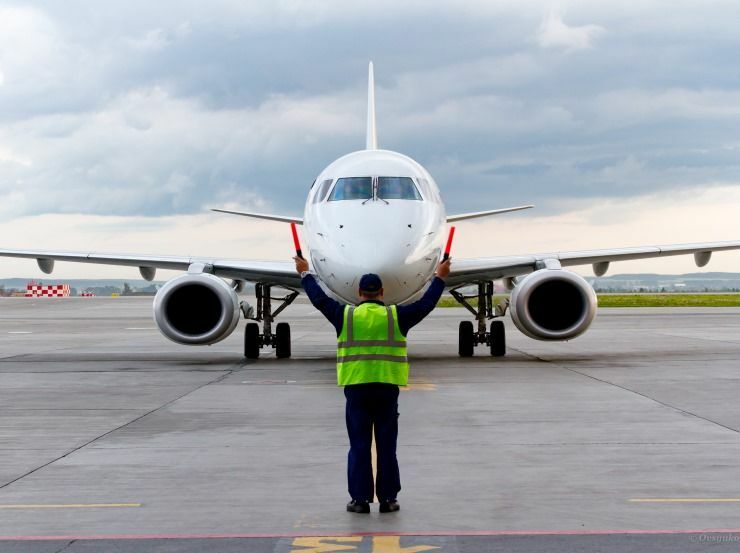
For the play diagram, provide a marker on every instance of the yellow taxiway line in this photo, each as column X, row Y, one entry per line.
column 374, row 463
column 688, row 500
column 71, row 506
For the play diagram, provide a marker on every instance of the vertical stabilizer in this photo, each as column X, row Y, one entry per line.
column 371, row 142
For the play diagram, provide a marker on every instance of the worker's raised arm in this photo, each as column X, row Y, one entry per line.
column 331, row 309
column 412, row 314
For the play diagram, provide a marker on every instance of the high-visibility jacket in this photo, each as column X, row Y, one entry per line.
column 371, row 347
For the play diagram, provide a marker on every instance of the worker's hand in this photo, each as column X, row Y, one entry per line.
column 443, row 269
column 301, row 264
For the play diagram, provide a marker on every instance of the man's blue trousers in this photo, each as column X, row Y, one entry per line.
column 372, row 406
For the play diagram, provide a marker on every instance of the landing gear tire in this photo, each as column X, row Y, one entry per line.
column 498, row 339
column 282, row 340
column 252, row 341
column 466, row 341
column 482, row 310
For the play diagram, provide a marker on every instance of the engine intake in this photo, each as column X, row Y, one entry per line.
column 196, row 309
column 553, row 304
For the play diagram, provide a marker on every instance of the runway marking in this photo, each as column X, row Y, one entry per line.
column 20, row 332
column 141, row 328
column 374, row 462
column 380, row 544
column 320, row 545
column 392, row 544
column 72, row 506
column 687, row 500
column 419, row 385
column 441, row 533
column 269, row 381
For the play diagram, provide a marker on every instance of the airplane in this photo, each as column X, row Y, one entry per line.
column 376, row 211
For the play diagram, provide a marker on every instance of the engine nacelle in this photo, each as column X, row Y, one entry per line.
column 196, row 309
column 553, row 304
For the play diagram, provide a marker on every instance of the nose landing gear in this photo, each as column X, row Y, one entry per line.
column 280, row 340
column 468, row 337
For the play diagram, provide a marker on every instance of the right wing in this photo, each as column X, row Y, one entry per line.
column 465, row 271
column 476, row 214
column 267, row 272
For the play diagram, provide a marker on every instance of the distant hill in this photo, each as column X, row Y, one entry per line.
column 99, row 286
column 689, row 282
column 20, row 283
column 648, row 282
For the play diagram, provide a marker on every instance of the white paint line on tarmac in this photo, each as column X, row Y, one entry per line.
column 20, row 332
column 141, row 328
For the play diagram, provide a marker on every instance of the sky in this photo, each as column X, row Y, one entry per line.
column 122, row 123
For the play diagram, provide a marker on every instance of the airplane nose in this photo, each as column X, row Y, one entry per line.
column 388, row 250
column 390, row 240
column 380, row 247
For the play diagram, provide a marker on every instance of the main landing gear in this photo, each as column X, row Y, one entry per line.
column 280, row 340
column 468, row 336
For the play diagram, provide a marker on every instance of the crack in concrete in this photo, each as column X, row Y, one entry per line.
column 66, row 546
column 221, row 377
column 626, row 389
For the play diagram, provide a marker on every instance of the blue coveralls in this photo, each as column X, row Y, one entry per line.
column 373, row 404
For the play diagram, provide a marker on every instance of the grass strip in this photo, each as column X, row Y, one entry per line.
column 641, row 300
column 669, row 300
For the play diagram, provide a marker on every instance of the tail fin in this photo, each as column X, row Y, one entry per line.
column 371, row 142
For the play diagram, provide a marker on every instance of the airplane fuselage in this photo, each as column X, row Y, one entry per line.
column 352, row 229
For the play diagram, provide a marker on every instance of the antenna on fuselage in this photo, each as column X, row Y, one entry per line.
column 371, row 142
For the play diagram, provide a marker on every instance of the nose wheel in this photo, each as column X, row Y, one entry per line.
column 254, row 340
column 468, row 336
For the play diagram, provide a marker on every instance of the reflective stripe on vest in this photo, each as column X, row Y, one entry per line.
column 363, row 356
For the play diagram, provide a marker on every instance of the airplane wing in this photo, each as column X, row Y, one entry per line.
column 267, row 216
column 268, row 272
column 476, row 214
column 465, row 271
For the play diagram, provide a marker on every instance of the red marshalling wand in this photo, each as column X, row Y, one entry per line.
column 449, row 244
column 296, row 243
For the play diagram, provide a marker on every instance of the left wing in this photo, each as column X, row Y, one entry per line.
column 268, row 272
column 492, row 268
column 476, row 214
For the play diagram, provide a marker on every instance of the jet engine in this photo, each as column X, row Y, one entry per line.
column 553, row 304
column 196, row 309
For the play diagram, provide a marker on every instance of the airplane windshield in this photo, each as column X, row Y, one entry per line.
column 397, row 188
column 352, row 188
column 386, row 188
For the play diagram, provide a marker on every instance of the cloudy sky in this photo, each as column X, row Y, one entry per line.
column 121, row 123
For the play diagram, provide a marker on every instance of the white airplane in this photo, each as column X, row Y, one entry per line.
column 376, row 211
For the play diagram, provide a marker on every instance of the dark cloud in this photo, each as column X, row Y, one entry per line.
column 164, row 108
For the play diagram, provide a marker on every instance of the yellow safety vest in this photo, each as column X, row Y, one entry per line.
column 371, row 347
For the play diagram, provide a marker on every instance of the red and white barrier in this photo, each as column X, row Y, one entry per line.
column 47, row 291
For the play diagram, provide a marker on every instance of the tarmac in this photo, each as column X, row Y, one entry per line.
column 112, row 438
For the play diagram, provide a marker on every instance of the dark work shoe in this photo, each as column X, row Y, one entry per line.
column 355, row 506
column 390, row 506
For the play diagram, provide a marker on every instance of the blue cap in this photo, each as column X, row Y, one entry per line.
column 371, row 283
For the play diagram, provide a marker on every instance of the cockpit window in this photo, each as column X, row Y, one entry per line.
column 352, row 188
column 322, row 190
column 430, row 192
column 374, row 188
column 397, row 188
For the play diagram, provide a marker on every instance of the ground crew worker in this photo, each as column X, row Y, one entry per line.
column 371, row 365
